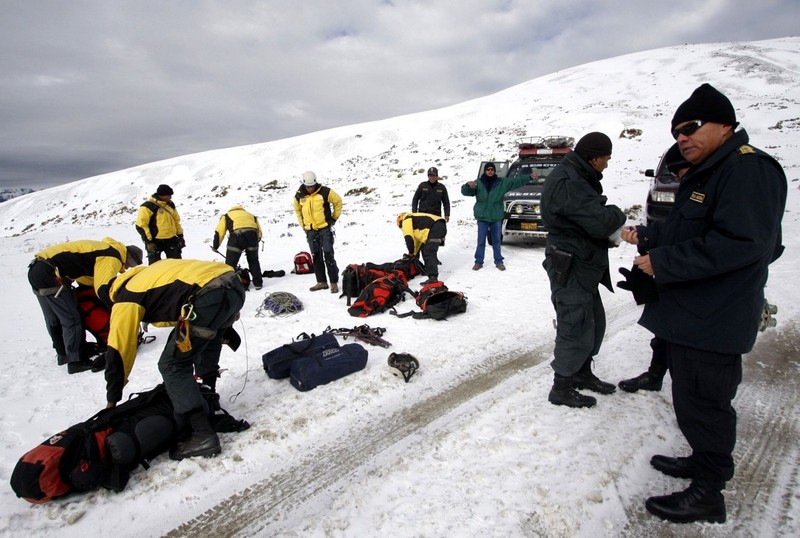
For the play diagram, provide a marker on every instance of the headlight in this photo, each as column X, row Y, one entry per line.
column 518, row 209
column 663, row 197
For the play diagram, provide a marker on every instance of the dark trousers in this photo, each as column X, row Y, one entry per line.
column 170, row 247
column 247, row 242
column 62, row 316
column 215, row 310
column 430, row 250
column 580, row 323
column 658, row 361
column 320, row 243
column 704, row 384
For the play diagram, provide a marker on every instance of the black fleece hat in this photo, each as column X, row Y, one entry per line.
column 164, row 190
column 433, row 171
column 708, row 104
column 593, row 145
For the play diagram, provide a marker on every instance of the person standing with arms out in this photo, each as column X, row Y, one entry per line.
column 201, row 300
column 710, row 261
column 51, row 274
column 488, row 191
column 644, row 291
column 424, row 233
column 431, row 196
column 579, row 224
column 318, row 208
column 159, row 225
column 244, row 234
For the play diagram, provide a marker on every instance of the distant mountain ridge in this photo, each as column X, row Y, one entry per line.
column 8, row 194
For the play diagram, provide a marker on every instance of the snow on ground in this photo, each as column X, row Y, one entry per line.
column 470, row 447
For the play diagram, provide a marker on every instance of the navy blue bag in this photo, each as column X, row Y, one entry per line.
column 327, row 365
column 278, row 362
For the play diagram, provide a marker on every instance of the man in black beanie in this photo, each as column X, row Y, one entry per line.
column 579, row 225
column 710, row 262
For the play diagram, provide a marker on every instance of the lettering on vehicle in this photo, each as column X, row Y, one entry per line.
column 698, row 197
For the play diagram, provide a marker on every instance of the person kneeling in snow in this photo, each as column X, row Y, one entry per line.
column 202, row 299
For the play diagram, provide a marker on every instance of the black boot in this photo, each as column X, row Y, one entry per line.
column 699, row 502
column 562, row 393
column 202, row 442
column 680, row 467
column 77, row 367
column 645, row 381
column 585, row 379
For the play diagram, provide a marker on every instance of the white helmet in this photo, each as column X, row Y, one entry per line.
column 309, row 179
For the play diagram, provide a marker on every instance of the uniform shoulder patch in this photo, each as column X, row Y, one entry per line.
column 746, row 149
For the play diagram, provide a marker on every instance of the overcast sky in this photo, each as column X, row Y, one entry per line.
column 88, row 87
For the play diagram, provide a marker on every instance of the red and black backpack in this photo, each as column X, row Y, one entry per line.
column 379, row 295
column 303, row 263
column 437, row 302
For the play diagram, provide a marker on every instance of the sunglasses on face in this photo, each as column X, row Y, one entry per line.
column 689, row 129
column 490, row 169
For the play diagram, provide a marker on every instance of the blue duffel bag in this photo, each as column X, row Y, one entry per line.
column 327, row 365
column 278, row 362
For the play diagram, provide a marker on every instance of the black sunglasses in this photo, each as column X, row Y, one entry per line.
column 689, row 129
column 489, row 168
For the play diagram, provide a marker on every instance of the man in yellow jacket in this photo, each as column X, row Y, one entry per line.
column 318, row 208
column 202, row 300
column 159, row 225
column 424, row 234
column 51, row 275
column 244, row 234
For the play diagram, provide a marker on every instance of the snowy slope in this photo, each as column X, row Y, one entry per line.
column 470, row 447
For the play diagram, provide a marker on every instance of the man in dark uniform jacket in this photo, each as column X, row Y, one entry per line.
column 710, row 261
column 579, row 224
column 431, row 196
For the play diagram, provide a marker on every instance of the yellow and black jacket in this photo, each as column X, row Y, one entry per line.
column 158, row 219
column 89, row 263
column 235, row 220
column 416, row 227
column 151, row 294
column 314, row 210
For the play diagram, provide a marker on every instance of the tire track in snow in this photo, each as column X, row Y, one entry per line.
column 269, row 501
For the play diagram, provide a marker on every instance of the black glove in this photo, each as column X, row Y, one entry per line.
column 181, row 241
column 642, row 285
column 151, row 247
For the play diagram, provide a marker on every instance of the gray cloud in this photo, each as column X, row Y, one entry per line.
column 88, row 87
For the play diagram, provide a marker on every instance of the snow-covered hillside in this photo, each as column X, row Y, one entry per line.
column 470, row 447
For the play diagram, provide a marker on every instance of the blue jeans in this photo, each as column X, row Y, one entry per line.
column 485, row 228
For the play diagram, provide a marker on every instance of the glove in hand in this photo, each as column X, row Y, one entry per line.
column 642, row 285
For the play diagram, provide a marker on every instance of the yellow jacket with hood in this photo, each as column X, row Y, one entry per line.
column 87, row 262
column 151, row 294
column 236, row 219
column 158, row 219
column 314, row 210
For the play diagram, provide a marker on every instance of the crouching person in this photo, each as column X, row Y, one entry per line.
column 202, row 300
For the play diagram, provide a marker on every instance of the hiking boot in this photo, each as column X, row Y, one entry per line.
column 62, row 360
column 699, row 502
column 680, row 467
column 202, row 442
column 319, row 286
column 258, row 287
column 199, row 444
column 585, row 379
column 645, row 381
column 429, row 281
column 477, row 266
column 562, row 393
column 79, row 366
column 334, row 287
column 501, row 266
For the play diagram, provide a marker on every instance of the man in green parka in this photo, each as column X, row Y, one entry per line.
column 488, row 191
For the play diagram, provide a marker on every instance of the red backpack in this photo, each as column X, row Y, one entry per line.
column 303, row 264
column 379, row 295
